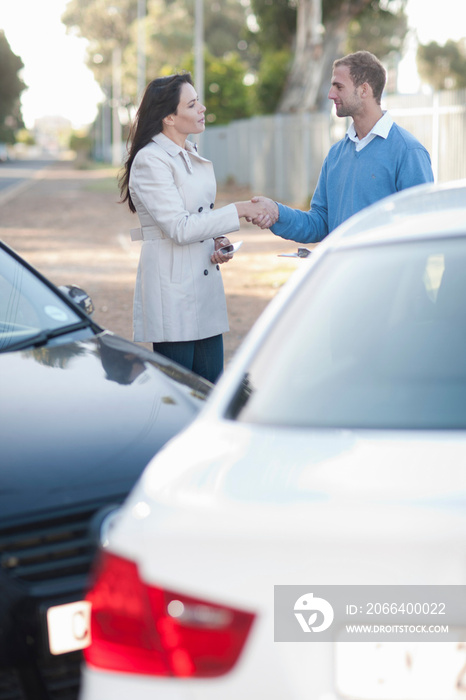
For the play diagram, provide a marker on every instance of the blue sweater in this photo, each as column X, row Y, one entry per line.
column 351, row 180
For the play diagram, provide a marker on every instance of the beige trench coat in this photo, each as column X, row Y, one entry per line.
column 179, row 293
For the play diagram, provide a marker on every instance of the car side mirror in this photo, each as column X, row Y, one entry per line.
column 78, row 296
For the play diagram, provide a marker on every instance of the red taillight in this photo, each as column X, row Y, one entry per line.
column 137, row 628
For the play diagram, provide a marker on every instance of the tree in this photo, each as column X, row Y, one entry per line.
column 443, row 67
column 224, row 24
column 271, row 78
column 289, row 45
column 380, row 28
column 11, row 87
column 227, row 96
column 326, row 29
column 277, row 24
column 107, row 25
column 169, row 31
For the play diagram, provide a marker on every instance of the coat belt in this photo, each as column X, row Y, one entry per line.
column 146, row 233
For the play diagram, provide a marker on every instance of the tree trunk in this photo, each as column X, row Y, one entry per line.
column 316, row 49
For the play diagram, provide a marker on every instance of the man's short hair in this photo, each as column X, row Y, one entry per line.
column 364, row 67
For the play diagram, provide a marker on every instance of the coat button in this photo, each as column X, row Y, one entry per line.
column 200, row 209
column 218, row 267
column 212, row 205
column 206, row 272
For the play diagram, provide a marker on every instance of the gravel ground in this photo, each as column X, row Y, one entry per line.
column 68, row 223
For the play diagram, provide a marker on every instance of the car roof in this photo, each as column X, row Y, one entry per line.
column 424, row 211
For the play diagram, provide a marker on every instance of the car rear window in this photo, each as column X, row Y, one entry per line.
column 375, row 338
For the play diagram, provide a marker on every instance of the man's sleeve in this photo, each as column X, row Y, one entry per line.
column 305, row 226
column 416, row 169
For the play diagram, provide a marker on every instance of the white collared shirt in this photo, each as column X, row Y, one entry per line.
column 380, row 128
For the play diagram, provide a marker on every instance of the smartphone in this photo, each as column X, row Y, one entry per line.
column 230, row 249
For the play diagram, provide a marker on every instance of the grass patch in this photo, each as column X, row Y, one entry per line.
column 105, row 185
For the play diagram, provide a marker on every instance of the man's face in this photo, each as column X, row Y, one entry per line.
column 347, row 98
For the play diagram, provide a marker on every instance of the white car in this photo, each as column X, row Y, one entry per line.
column 329, row 462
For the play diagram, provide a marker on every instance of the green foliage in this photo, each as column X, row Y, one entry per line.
column 11, row 87
column 443, row 67
column 224, row 24
column 273, row 72
column 379, row 25
column 270, row 50
column 277, row 22
column 25, row 136
column 232, row 50
column 80, row 142
column 380, row 28
column 169, row 35
column 227, row 97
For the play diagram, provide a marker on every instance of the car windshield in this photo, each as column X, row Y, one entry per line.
column 28, row 307
column 375, row 338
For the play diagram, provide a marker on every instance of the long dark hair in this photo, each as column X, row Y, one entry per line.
column 161, row 98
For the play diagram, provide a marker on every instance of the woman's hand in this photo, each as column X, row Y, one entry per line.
column 262, row 211
column 218, row 258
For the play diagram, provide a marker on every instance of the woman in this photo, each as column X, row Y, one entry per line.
column 179, row 301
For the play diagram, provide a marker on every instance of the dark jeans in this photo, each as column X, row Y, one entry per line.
column 205, row 357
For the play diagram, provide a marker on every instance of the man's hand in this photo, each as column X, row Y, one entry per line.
column 259, row 211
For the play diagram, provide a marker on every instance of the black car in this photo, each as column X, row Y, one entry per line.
column 82, row 411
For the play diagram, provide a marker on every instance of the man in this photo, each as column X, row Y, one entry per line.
column 376, row 158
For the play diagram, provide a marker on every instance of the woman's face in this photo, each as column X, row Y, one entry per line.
column 189, row 117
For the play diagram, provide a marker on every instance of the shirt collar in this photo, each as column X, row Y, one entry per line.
column 380, row 128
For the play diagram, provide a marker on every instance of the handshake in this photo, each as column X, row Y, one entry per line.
column 261, row 211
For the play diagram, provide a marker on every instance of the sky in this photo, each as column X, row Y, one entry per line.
column 61, row 84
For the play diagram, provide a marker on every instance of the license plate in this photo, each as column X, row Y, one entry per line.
column 69, row 627
column 401, row 670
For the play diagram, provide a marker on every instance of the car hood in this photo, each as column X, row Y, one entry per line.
column 79, row 421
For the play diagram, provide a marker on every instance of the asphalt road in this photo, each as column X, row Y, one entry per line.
column 69, row 225
column 15, row 176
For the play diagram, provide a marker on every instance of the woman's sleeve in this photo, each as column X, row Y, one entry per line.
column 153, row 184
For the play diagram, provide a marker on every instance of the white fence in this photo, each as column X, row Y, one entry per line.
column 281, row 155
